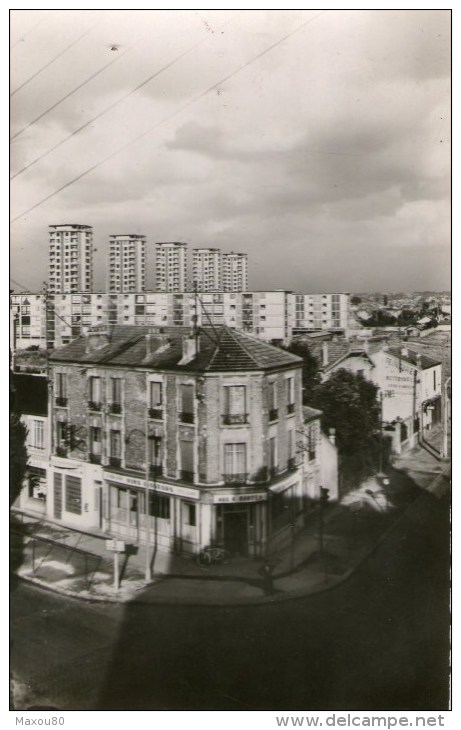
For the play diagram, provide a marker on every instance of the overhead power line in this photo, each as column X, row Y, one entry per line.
column 40, row 70
column 109, row 108
column 168, row 118
column 67, row 96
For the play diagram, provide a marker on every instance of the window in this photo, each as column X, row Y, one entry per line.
column 115, row 447
column 61, row 436
column 290, row 395
column 312, row 443
column 155, row 454
column 291, row 460
column 95, row 444
column 187, row 460
column 37, row 482
column 155, row 400
column 38, row 435
column 272, row 456
column 186, row 414
column 235, row 462
column 159, row 506
column 61, row 389
column 116, row 395
column 272, row 400
column 191, row 515
column 95, row 393
column 74, row 495
column 235, row 404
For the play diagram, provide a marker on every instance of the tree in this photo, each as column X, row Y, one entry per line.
column 350, row 405
column 356, row 300
column 310, row 369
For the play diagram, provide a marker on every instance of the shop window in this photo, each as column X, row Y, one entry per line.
column 159, row 506
column 191, row 515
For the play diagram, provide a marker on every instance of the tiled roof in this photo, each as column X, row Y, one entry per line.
column 220, row 348
column 30, row 394
column 423, row 361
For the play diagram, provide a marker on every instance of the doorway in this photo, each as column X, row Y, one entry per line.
column 236, row 531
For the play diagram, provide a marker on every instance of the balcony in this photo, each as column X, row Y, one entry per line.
column 290, row 408
column 116, row 408
column 95, row 458
column 156, row 413
column 61, row 451
column 186, row 417
column 115, row 461
column 235, row 478
column 273, row 414
column 234, row 419
column 61, row 401
column 187, row 476
column 94, row 406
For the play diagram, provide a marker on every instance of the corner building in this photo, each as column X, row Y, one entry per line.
column 180, row 439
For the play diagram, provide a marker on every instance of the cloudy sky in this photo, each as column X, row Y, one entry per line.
column 316, row 141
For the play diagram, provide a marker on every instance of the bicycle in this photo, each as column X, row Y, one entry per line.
column 211, row 554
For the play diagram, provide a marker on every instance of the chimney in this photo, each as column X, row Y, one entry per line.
column 418, row 360
column 324, row 353
column 156, row 341
column 332, row 436
column 96, row 339
column 404, row 351
column 190, row 349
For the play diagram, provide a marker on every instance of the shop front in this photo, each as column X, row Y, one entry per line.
column 163, row 515
column 240, row 522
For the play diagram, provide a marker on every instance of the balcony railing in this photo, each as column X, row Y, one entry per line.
column 240, row 478
column 94, row 405
column 187, row 476
column 61, row 451
column 156, row 413
column 116, row 408
column 290, row 408
column 186, row 417
column 61, row 401
column 233, row 419
column 95, row 458
column 273, row 414
column 115, row 461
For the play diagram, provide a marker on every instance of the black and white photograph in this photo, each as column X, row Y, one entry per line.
column 230, row 365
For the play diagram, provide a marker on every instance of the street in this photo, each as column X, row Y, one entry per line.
column 378, row 642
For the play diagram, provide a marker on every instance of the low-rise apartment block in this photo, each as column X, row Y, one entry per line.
column 182, row 439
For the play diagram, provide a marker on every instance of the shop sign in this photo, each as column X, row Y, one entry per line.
column 238, row 498
column 157, row 486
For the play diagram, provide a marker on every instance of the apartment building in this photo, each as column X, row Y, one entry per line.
column 127, row 263
column 27, row 321
column 234, row 271
column 70, row 258
column 171, row 266
column 185, row 440
column 270, row 315
column 206, row 269
column 321, row 311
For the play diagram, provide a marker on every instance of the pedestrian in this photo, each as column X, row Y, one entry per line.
column 265, row 572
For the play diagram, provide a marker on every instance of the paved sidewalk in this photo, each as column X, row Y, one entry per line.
column 78, row 564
